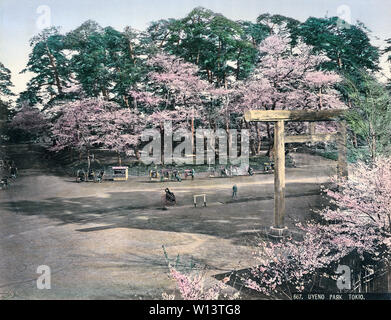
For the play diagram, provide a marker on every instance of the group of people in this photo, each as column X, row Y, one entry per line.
column 224, row 172
column 9, row 171
column 91, row 176
column 171, row 174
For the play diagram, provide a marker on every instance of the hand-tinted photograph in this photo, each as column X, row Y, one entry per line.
column 195, row 150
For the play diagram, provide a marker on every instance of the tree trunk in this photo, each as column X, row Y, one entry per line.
column 54, row 67
column 355, row 143
column 105, row 94
column 88, row 162
column 126, row 100
column 372, row 140
column 270, row 138
column 238, row 64
column 137, row 153
column 192, row 136
column 119, row 159
column 131, row 53
column 259, row 138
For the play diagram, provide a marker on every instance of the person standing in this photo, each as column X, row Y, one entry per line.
column 13, row 171
column 234, row 192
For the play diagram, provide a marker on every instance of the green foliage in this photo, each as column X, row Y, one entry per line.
column 348, row 46
column 370, row 114
column 5, row 81
column 354, row 154
column 5, row 106
column 219, row 46
column 281, row 25
column 104, row 62
column 50, row 65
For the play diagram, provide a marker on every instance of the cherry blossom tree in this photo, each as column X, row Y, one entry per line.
column 174, row 86
column 357, row 223
column 93, row 122
column 287, row 78
column 121, row 132
column 173, row 92
column 30, row 120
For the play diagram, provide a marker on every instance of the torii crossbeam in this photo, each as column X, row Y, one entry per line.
column 279, row 117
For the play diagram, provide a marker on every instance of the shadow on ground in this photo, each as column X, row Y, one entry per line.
column 240, row 220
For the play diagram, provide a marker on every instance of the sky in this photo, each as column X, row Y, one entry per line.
column 22, row 19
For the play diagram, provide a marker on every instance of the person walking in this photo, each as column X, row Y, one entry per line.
column 234, row 192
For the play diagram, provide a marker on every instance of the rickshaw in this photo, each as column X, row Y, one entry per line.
column 165, row 174
column 175, row 175
column 99, row 176
column 81, row 176
column 224, row 172
column 189, row 172
column 154, row 175
column 268, row 167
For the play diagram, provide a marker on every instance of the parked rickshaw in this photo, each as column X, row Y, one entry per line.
column 93, row 176
column 189, row 173
column 268, row 167
column 154, row 175
column 165, row 175
column 176, row 175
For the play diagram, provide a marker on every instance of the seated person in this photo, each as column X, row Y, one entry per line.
column 100, row 175
column 153, row 174
column 170, row 196
column 4, row 182
column 13, row 171
column 176, row 175
column 81, row 175
column 91, row 174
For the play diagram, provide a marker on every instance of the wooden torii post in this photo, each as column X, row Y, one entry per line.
column 279, row 117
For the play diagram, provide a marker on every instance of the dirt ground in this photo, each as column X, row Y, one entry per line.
column 104, row 241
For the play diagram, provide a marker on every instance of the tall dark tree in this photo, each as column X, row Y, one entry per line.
column 216, row 44
column 280, row 25
column 5, row 81
column 50, row 66
column 370, row 114
column 5, row 92
column 387, row 50
column 348, row 46
column 105, row 61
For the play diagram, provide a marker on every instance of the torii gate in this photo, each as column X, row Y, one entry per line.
column 279, row 117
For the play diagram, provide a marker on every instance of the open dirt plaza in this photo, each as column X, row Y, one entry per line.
column 104, row 241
